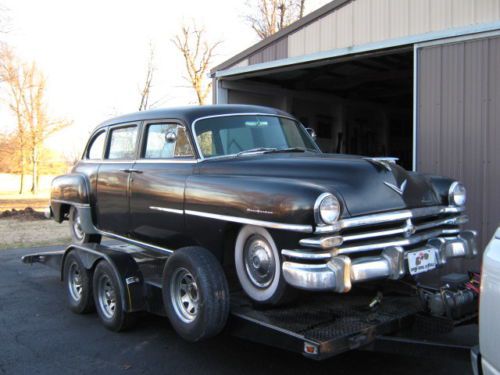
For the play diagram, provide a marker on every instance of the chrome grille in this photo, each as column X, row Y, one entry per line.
column 405, row 228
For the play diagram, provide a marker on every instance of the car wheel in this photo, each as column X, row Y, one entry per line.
column 77, row 233
column 258, row 266
column 108, row 299
column 195, row 293
column 78, row 281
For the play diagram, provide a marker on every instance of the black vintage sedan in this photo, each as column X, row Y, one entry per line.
column 250, row 186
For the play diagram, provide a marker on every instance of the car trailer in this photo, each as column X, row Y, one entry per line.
column 321, row 326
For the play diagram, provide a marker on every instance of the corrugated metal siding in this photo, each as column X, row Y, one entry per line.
column 458, row 130
column 366, row 21
column 275, row 51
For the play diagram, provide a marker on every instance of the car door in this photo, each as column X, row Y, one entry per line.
column 165, row 161
column 113, row 179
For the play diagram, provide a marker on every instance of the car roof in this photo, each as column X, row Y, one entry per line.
column 189, row 114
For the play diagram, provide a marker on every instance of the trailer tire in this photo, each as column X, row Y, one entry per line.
column 78, row 281
column 195, row 293
column 108, row 299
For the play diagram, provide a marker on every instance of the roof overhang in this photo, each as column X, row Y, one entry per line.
column 262, row 68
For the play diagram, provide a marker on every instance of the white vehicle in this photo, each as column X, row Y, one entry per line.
column 486, row 358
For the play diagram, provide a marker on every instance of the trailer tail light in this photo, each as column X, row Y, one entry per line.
column 310, row 349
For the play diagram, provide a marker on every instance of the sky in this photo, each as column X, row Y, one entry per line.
column 94, row 53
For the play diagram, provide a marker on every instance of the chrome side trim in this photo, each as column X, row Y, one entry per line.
column 262, row 223
column 165, row 209
column 135, row 242
column 77, row 205
column 400, row 242
column 309, row 255
column 195, row 136
column 166, row 161
column 387, row 217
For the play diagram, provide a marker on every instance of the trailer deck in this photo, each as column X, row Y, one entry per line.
column 318, row 326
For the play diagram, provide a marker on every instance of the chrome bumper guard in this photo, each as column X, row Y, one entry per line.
column 340, row 271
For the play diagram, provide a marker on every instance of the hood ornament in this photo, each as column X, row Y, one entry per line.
column 398, row 189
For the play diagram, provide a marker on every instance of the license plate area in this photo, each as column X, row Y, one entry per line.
column 422, row 261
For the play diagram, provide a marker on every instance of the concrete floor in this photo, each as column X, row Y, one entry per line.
column 39, row 335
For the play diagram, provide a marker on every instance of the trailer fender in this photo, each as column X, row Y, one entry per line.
column 125, row 268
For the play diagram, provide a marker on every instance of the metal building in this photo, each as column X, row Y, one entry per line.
column 416, row 79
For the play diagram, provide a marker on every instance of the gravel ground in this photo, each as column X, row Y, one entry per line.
column 39, row 335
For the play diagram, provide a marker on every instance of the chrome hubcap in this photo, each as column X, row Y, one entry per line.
column 259, row 261
column 184, row 295
column 106, row 296
column 77, row 226
column 75, row 284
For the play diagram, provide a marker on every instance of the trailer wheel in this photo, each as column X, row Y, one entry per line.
column 195, row 293
column 108, row 299
column 78, row 281
column 258, row 266
column 77, row 233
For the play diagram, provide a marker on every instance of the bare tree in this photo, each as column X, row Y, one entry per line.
column 270, row 16
column 15, row 86
column 146, row 88
column 197, row 53
column 26, row 86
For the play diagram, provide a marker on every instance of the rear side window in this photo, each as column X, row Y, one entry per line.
column 122, row 143
column 166, row 141
column 96, row 147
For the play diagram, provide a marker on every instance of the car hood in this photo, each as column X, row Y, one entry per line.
column 362, row 185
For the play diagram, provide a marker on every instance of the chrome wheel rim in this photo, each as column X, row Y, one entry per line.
column 106, row 296
column 184, row 295
column 259, row 260
column 75, row 283
column 77, row 226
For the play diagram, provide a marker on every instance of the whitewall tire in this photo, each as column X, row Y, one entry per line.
column 258, row 266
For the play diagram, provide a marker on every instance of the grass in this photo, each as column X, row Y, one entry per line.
column 16, row 233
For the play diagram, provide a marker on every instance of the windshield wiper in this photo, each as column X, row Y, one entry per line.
column 255, row 150
column 292, row 149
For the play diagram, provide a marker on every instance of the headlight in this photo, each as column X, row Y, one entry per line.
column 457, row 195
column 326, row 209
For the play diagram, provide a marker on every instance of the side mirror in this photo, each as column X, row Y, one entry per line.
column 170, row 137
column 312, row 133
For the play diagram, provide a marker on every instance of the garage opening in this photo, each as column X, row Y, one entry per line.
column 360, row 105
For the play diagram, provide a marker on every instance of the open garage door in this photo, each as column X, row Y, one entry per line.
column 357, row 105
column 458, row 117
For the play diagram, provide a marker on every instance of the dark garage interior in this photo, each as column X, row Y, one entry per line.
column 361, row 105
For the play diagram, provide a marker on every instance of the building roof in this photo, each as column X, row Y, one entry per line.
column 325, row 9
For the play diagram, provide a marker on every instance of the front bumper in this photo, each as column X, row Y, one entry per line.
column 339, row 272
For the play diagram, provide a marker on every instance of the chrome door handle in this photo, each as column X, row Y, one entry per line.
column 131, row 170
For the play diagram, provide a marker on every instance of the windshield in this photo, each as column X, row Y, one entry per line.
column 239, row 134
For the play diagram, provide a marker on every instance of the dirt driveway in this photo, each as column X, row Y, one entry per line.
column 17, row 232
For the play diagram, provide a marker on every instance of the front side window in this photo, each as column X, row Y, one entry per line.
column 229, row 135
column 122, row 143
column 165, row 141
column 96, row 147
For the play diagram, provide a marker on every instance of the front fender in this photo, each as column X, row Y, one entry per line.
column 269, row 199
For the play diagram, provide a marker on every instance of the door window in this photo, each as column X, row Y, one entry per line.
column 96, row 147
column 122, row 144
column 166, row 141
